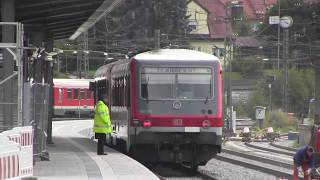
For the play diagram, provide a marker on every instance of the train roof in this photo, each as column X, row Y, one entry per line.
column 71, row 83
column 176, row 55
column 102, row 70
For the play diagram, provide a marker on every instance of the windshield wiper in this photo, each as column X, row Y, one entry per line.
column 147, row 91
column 207, row 99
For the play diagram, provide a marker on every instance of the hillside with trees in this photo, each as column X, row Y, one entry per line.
column 304, row 48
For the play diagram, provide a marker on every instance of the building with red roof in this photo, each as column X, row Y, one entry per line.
column 207, row 21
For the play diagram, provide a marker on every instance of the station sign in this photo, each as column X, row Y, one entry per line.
column 260, row 112
column 274, row 20
column 176, row 70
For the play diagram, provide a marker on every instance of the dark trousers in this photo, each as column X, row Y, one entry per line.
column 101, row 141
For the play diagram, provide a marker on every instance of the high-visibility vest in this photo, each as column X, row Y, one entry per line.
column 102, row 123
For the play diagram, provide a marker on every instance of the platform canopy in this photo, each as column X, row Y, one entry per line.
column 63, row 18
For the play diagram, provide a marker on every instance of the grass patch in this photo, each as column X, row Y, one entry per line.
column 60, row 75
column 233, row 75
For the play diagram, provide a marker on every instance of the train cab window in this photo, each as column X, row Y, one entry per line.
column 157, row 86
column 82, row 94
column 76, row 94
column 176, row 83
column 194, row 86
column 60, row 95
column 69, row 92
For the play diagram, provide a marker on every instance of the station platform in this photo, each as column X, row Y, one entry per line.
column 73, row 157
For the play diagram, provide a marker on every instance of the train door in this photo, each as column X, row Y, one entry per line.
column 60, row 96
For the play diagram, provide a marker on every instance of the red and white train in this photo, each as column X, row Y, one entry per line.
column 72, row 97
column 166, row 105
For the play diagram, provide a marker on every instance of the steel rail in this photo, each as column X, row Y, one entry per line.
column 267, row 170
column 269, row 149
column 258, row 158
column 283, row 147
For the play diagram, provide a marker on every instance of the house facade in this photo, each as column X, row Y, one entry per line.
column 208, row 27
column 203, row 35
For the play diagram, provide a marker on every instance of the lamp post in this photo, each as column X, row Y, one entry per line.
column 236, row 7
column 285, row 23
column 270, row 96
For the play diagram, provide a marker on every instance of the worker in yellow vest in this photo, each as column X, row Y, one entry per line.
column 102, row 123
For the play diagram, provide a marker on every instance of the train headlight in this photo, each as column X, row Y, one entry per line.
column 136, row 122
column 206, row 124
column 147, row 123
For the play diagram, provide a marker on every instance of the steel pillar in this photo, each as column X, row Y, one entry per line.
column 8, row 34
column 85, row 54
column 49, row 80
column 317, row 97
column 285, row 68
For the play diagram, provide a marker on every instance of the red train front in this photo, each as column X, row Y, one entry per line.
column 166, row 105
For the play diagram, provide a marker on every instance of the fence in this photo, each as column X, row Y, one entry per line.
column 35, row 112
column 39, row 110
column 16, row 153
column 8, row 104
column 23, row 103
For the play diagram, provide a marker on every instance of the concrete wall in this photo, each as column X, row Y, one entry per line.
column 305, row 134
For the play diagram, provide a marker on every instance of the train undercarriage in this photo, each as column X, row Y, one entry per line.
column 191, row 149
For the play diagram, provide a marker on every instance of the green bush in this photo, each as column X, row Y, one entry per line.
column 248, row 67
column 280, row 121
column 60, row 75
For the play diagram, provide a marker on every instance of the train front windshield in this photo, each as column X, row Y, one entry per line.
column 176, row 83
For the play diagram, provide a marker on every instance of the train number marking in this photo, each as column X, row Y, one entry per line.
column 177, row 122
column 192, row 129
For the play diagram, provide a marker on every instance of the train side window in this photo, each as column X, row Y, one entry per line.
column 69, row 92
column 125, row 91
column 60, row 95
column 121, row 92
column 75, row 93
column 128, row 90
column 82, row 94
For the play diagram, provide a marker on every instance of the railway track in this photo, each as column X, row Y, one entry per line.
column 262, row 164
column 258, row 158
column 288, row 153
column 261, row 167
column 254, row 162
column 283, row 147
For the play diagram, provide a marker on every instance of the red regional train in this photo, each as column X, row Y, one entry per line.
column 72, row 98
column 166, row 105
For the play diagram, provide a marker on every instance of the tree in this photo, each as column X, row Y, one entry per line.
column 304, row 33
column 132, row 26
column 300, row 91
column 248, row 66
column 280, row 121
